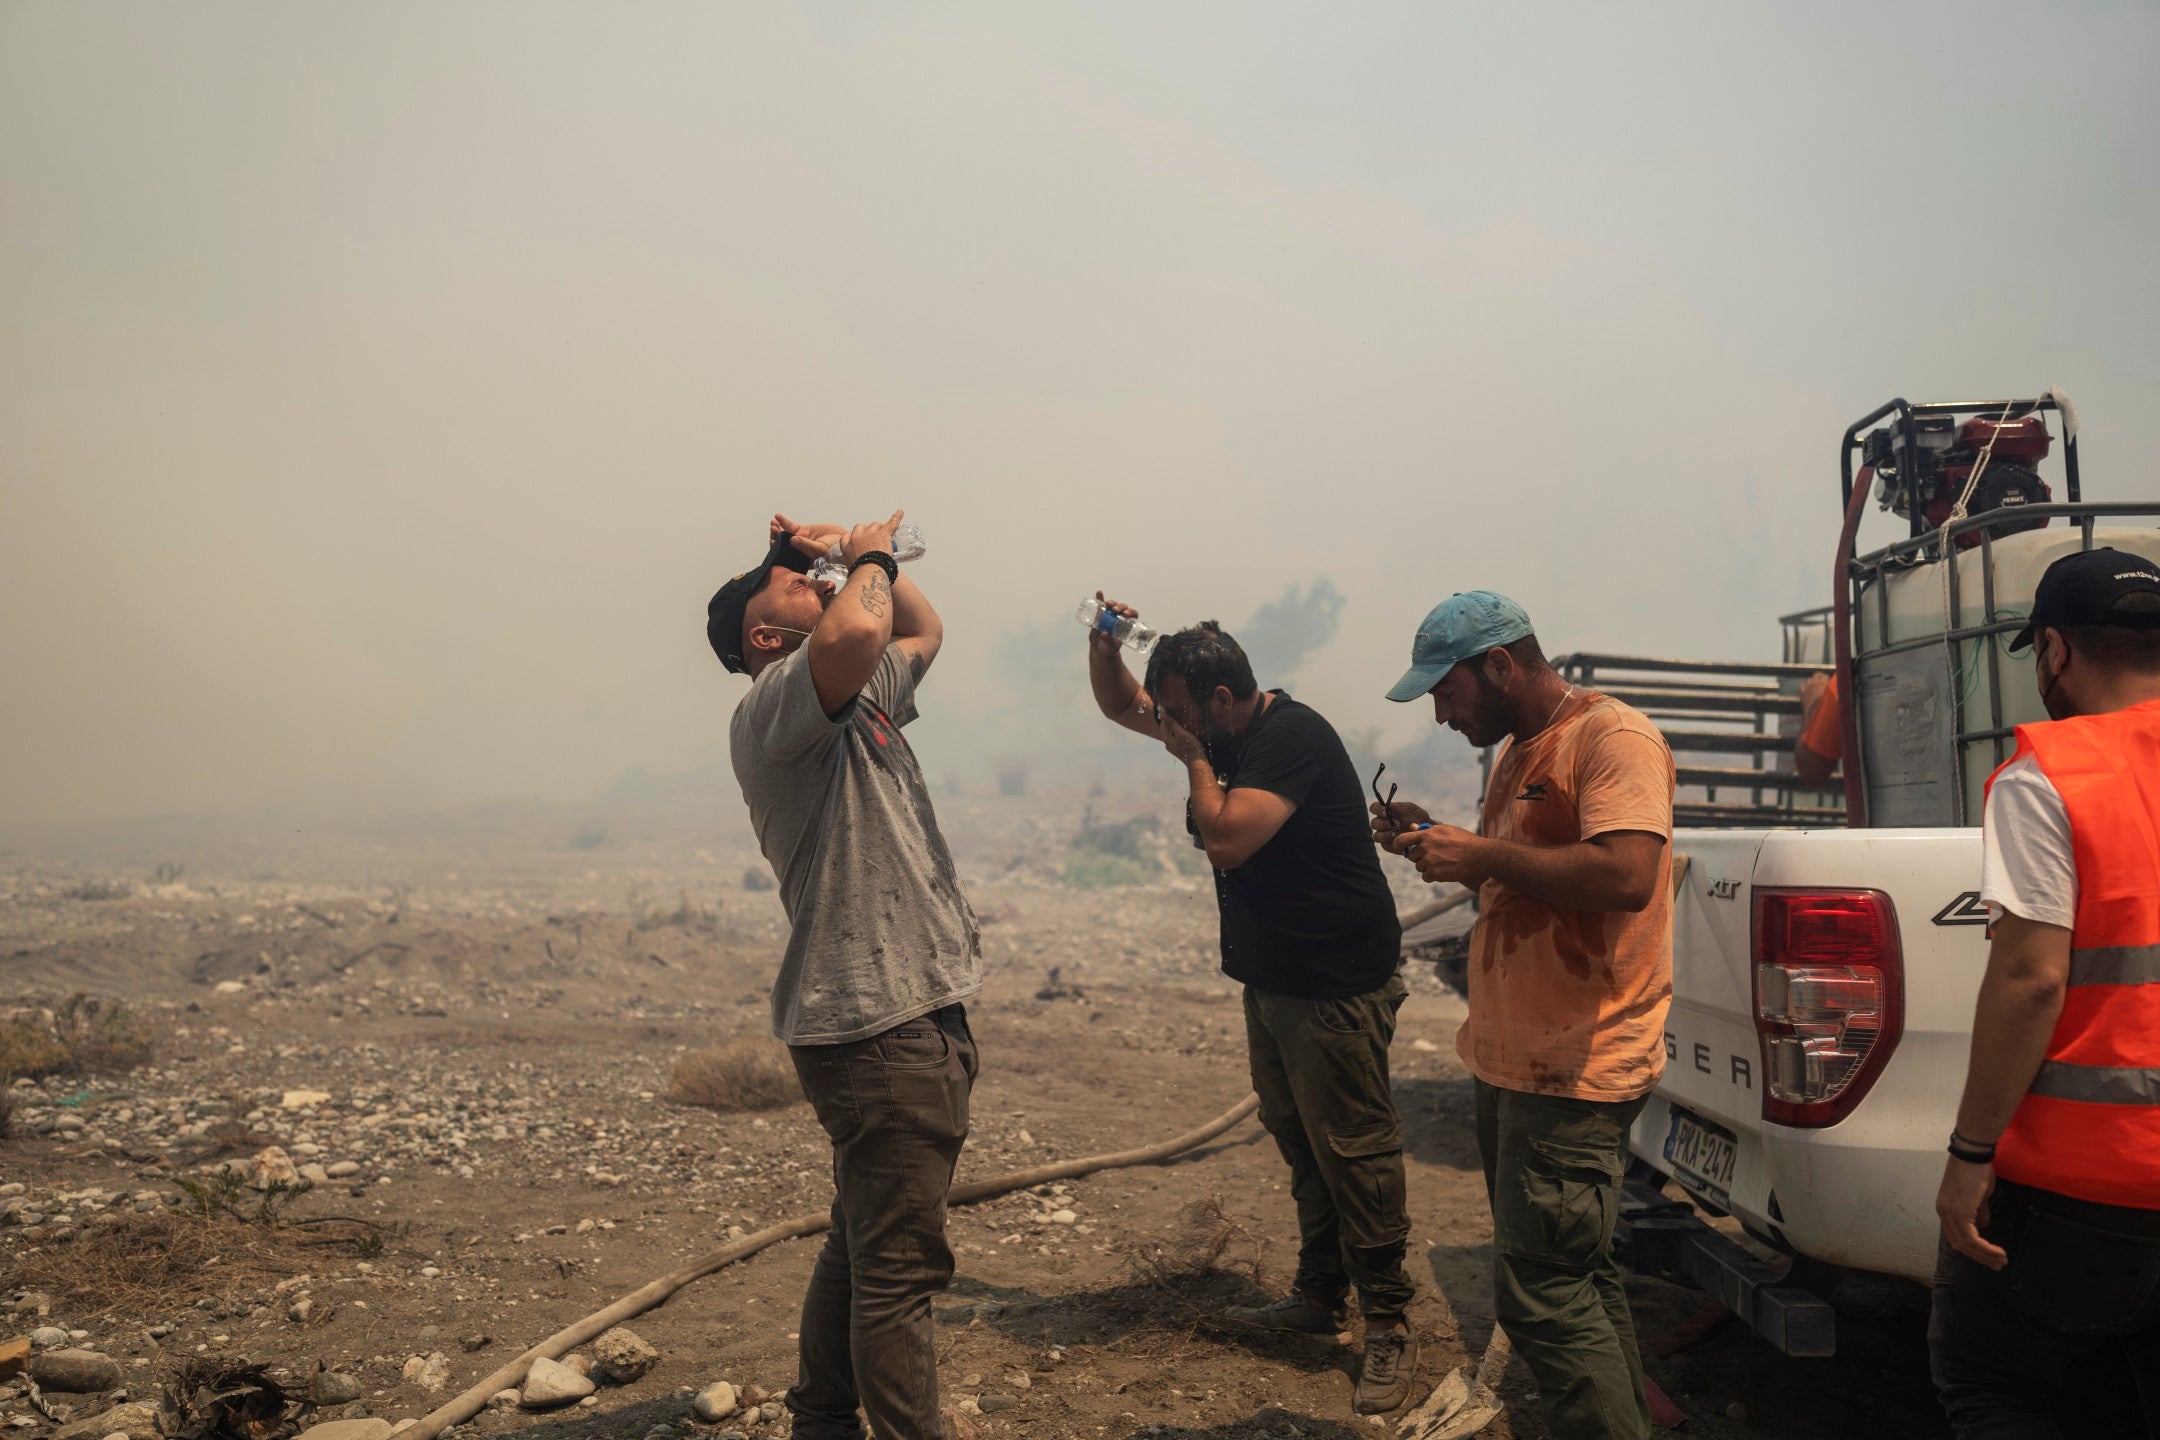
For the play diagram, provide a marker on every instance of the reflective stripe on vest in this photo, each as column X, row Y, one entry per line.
column 2116, row 965
column 2090, row 1126
column 2099, row 1084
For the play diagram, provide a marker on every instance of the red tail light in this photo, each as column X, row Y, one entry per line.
column 1829, row 999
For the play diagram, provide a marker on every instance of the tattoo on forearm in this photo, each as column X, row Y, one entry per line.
column 876, row 593
column 916, row 664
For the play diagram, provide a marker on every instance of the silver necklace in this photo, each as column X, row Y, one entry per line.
column 1556, row 710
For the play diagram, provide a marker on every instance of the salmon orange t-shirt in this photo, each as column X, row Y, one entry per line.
column 1572, row 1002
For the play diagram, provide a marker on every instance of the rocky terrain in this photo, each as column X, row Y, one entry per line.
column 406, row 1110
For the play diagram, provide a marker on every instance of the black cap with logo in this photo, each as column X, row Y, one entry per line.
column 724, row 612
column 2094, row 587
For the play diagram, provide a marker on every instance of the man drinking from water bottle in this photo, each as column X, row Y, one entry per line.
column 880, row 957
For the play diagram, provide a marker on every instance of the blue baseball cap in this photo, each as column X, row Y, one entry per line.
column 1458, row 628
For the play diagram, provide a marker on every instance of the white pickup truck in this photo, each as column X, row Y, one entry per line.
column 1827, row 950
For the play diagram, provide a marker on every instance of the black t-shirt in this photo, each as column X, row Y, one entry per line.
column 1310, row 914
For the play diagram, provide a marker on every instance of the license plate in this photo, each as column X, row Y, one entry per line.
column 1701, row 1152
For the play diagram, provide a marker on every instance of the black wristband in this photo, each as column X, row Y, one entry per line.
column 1972, row 1152
column 882, row 560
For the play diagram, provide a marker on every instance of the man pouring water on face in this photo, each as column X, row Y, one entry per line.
column 1308, row 928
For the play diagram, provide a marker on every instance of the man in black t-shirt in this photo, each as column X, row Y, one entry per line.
column 1308, row 927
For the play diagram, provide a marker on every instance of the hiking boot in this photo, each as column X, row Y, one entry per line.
column 1384, row 1383
column 1293, row 1312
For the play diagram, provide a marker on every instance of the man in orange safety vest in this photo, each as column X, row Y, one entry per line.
column 2050, row 1201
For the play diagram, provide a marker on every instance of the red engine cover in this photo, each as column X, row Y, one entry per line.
column 2024, row 439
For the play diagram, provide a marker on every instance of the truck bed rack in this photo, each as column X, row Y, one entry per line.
column 1709, row 710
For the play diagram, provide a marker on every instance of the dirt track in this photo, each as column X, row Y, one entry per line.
column 494, row 1015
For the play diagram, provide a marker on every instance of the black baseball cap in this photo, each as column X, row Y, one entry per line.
column 2094, row 587
column 724, row 613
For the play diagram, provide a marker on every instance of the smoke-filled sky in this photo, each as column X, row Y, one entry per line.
column 384, row 388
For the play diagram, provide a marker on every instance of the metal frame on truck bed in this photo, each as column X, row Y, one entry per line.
column 1718, row 708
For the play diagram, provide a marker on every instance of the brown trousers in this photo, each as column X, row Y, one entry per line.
column 896, row 1109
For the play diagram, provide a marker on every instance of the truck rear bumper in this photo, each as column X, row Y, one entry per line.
column 1667, row 1239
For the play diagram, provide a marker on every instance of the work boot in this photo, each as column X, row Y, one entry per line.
column 1390, row 1357
column 1294, row 1312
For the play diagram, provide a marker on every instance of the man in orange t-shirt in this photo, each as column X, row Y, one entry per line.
column 1570, row 977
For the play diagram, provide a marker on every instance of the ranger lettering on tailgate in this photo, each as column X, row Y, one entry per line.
column 1739, row 1069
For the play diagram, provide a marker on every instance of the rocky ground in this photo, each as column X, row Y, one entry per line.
column 447, row 1053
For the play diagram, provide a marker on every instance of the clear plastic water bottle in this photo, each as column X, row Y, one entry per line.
column 1122, row 628
column 907, row 544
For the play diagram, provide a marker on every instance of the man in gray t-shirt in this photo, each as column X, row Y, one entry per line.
column 881, row 932
column 882, row 952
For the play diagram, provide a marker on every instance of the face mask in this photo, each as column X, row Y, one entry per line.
column 2049, row 681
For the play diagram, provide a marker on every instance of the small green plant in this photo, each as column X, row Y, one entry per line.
column 223, row 1193
column 1092, row 870
column 208, row 1199
column 589, row 836
column 168, row 872
column 101, row 890
column 1105, row 856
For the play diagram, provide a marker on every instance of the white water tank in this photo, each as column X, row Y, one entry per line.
column 1907, row 719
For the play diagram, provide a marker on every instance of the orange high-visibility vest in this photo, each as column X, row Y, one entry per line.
column 2090, row 1126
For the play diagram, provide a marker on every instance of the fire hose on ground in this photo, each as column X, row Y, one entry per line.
column 637, row 1302
column 470, row 1402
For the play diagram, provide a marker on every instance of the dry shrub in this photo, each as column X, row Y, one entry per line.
column 7, row 1113
column 746, row 1074
column 84, row 1035
column 1203, row 1244
column 147, row 1266
column 683, row 915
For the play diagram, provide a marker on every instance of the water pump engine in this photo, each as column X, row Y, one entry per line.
column 1921, row 467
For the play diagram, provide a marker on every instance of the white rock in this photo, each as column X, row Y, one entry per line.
column 315, row 1174
column 1064, row 1217
column 429, row 1372
column 302, row 1099
column 715, row 1402
column 342, row 1169
column 270, row 1166
column 622, row 1358
column 48, row 1337
column 550, row 1383
column 229, row 987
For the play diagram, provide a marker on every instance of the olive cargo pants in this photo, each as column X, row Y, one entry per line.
column 1321, row 1070
column 896, row 1109
column 1552, row 1174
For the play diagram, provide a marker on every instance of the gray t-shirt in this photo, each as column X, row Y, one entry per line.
column 880, row 930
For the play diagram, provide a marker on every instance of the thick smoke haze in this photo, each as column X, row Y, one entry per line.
column 384, row 389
